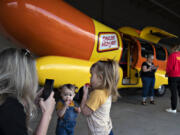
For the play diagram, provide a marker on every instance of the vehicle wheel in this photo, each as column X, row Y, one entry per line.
column 161, row 91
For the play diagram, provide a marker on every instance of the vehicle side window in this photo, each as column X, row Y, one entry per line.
column 146, row 49
column 160, row 53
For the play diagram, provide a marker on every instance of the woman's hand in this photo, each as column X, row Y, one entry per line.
column 154, row 67
column 48, row 105
column 38, row 96
column 47, row 108
column 150, row 69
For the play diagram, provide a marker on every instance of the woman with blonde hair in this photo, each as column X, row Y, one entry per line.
column 148, row 79
column 18, row 90
column 103, row 85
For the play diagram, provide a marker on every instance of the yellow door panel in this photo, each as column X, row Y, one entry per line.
column 130, row 31
column 154, row 34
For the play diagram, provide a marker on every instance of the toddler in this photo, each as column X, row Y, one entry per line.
column 67, row 110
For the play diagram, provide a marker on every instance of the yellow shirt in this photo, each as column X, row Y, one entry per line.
column 97, row 98
column 60, row 105
column 99, row 122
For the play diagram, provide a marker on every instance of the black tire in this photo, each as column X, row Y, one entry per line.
column 161, row 91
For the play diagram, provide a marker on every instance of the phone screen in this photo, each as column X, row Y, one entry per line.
column 48, row 88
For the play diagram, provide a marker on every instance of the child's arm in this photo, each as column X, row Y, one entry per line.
column 62, row 111
column 77, row 109
column 84, row 108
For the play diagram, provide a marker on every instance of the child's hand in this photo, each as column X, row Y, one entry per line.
column 89, row 87
column 67, row 103
column 86, row 89
column 77, row 109
column 87, row 84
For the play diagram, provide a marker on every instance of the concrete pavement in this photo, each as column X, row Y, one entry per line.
column 129, row 117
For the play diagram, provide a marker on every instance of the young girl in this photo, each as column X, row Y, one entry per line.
column 66, row 110
column 103, row 83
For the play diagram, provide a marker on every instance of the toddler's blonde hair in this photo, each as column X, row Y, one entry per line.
column 109, row 71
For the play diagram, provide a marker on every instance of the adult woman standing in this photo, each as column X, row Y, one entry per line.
column 148, row 79
column 173, row 73
column 18, row 87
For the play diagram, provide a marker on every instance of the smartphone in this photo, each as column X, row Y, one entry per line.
column 48, row 88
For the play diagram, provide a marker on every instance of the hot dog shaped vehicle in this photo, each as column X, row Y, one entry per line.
column 68, row 42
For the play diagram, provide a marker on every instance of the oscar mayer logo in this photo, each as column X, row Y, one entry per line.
column 107, row 41
column 178, row 58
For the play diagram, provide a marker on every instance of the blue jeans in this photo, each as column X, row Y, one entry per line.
column 111, row 133
column 148, row 86
column 65, row 127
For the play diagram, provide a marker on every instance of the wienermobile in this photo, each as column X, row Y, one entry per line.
column 67, row 42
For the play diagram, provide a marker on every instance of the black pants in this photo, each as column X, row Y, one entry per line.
column 174, row 85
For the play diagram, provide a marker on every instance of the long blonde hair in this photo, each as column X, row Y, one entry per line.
column 109, row 70
column 18, row 78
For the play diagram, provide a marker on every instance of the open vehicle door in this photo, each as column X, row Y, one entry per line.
column 148, row 33
column 154, row 34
